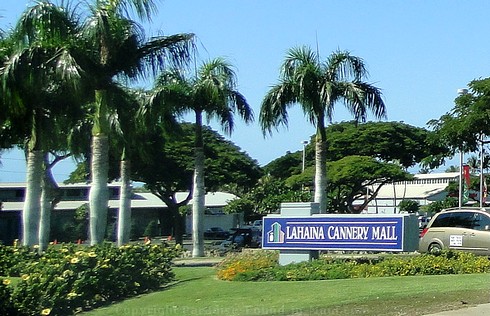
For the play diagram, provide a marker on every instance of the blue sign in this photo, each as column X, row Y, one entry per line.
column 333, row 232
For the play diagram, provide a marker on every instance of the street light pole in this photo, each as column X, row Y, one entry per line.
column 305, row 142
column 461, row 158
column 481, row 172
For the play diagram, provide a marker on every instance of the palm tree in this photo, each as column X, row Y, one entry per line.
column 116, row 47
column 211, row 92
column 127, row 129
column 317, row 87
column 40, row 84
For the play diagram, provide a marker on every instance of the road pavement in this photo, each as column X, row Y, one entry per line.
column 478, row 310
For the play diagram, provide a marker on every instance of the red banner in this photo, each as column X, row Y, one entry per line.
column 466, row 175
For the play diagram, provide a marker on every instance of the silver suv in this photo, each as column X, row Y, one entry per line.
column 466, row 229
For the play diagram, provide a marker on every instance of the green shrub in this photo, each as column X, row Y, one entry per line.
column 13, row 259
column 7, row 307
column 68, row 278
column 151, row 229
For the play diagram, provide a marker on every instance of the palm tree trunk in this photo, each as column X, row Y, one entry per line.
column 49, row 198
column 32, row 202
column 321, row 174
column 198, row 193
column 99, row 194
column 124, row 217
column 45, row 219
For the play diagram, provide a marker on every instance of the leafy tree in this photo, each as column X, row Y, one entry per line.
column 388, row 141
column 453, row 188
column 317, row 87
column 211, row 92
column 463, row 127
column 351, row 178
column 452, row 169
column 290, row 164
column 409, row 206
column 266, row 198
column 437, row 206
column 474, row 163
column 241, row 205
column 168, row 167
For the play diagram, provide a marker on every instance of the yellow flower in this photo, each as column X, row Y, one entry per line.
column 92, row 254
column 25, row 277
column 74, row 260
column 6, row 282
column 79, row 253
column 46, row 311
column 71, row 295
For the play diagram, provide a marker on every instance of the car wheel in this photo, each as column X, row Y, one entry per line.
column 435, row 248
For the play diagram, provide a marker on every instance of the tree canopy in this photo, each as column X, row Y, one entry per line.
column 388, row 141
column 463, row 126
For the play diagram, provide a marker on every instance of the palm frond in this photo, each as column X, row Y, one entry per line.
column 173, row 51
column 341, row 66
column 273, row 111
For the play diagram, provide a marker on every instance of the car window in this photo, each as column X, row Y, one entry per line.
column 454, row 219
column 443, row 220
column 462, row 219
column 481, row 220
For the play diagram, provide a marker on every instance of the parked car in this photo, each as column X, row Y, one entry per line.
column 466, row 229
column 216, row 233
column 423, row 221
column 243, row 237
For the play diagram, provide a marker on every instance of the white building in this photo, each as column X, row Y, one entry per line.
column 146, row 207
column 424, row 188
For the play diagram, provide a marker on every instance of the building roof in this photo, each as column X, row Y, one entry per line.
column 443, row 175
column 424, row 186
column 410, row 191
column 138, row 201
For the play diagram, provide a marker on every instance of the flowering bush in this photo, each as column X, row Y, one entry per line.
column 251, row 260
column 69, row 278
column 261, row 266
column 13, row 258
column 7, row 307
column 448, row 262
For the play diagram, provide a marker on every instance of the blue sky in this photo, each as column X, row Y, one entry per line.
column 418, row 52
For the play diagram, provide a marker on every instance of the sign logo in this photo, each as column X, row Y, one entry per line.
column 275, row 235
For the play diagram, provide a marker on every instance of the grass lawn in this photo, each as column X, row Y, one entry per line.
column 198, row 292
